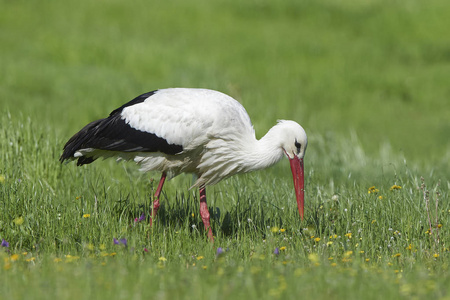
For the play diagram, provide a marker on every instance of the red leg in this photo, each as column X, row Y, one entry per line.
column 156, row 202
column 204, row 212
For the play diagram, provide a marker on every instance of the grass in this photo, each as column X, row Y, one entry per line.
column 367, row 79
column 60, row 222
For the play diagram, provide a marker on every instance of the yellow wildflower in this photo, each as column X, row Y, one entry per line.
column 282, row 230
column 361, row 252
column 409, row 247
column 439, row 226
column 373, row 190
column 313, row 257
column 282, row 248
column 162, row 258
column 317, row 239
column 90, row 246
column 113, row 254
column 200, row 257
column 348, row 253
column 346, row 259
column 30, row 259
column 204, row 267
column 77, row 197
column 86, row 216
column 7, row 265
column 329, row 243
column 374, row 221
column 397, row 255
column 57, row 260
column 192, row 214
column 14, row 257
column 334, row 264
column 367, row 259
column 348, row 235
column 24, row 253
column 436, row 255
column 380, row 197
column 70, row 258
column 395, row 187
column 274, row 229
column 18, row 221
column 2, row 178
column 102, row 247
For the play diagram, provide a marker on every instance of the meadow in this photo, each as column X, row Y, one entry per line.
column 368, row 80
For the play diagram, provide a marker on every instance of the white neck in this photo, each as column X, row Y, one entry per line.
column 263, row 153
column 226, row 158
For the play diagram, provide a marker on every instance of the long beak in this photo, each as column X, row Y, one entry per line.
column 299, row 182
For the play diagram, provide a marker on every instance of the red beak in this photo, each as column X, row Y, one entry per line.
column 299, row 182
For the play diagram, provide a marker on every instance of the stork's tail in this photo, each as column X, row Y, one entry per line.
column 77, row 142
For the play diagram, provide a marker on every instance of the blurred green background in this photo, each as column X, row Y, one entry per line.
column 378, row 69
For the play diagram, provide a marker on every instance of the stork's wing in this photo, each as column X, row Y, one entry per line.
column 167, row 121
column 188, row 117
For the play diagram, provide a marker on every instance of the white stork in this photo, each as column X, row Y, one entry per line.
column 183, row 130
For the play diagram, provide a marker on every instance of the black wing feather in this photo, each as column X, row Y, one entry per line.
column 114, row 134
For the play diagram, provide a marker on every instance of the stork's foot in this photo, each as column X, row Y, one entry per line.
column 154, row 211
column 204, row 212
column 157, row 194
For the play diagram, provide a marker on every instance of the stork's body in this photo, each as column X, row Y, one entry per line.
column 198, row 131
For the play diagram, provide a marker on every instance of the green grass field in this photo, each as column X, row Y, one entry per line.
column 368, row 80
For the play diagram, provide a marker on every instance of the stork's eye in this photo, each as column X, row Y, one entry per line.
column 298, row 146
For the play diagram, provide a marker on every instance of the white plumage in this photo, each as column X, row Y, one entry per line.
column 197, row 131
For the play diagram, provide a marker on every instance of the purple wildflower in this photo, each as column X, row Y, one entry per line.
column 145, row 250
column 277, row 251
column 122, row 241
column 4, row 243
column 140, row 219
column 219, row 251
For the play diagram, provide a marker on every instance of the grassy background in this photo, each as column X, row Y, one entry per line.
column 368, row 80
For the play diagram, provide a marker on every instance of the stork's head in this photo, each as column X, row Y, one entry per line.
column 294, row 140
column 294, row 146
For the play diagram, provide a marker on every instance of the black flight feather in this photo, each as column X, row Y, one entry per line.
column 114, row 134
